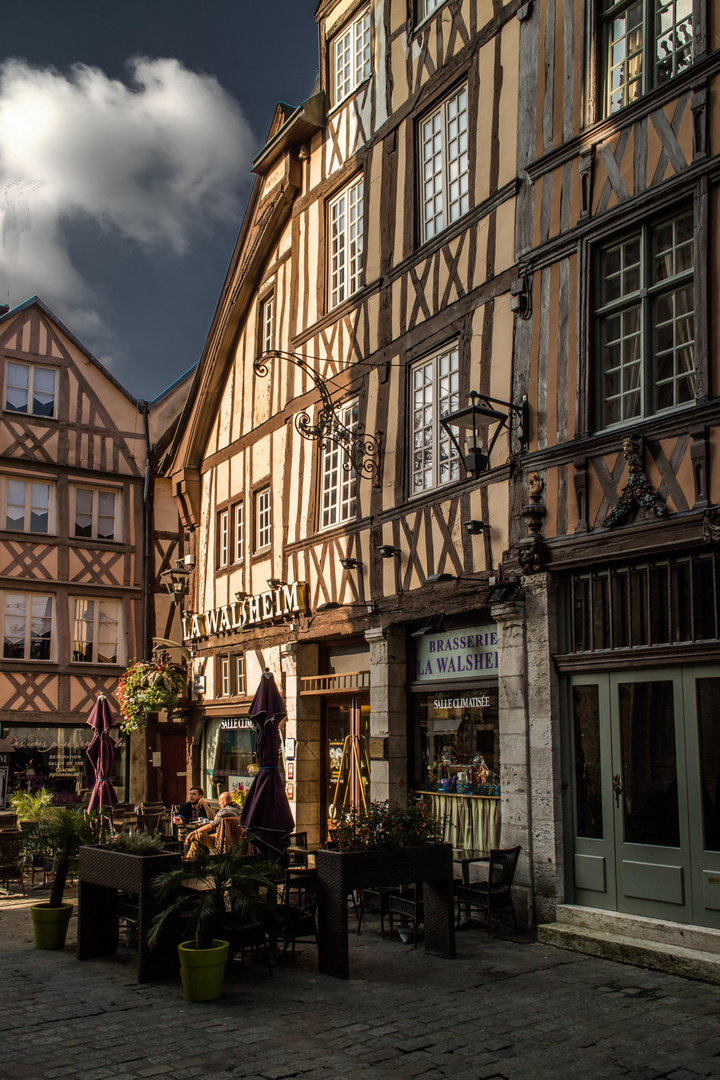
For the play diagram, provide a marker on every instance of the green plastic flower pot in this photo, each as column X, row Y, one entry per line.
column 203, row 970
column 50, row 925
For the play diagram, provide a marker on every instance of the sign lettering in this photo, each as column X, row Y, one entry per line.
column 280, row 603
column 457, row 654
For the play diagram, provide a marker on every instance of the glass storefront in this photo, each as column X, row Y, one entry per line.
column 456, row 742
column 229, row 759
column 54, row 757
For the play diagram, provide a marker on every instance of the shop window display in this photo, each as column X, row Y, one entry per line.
column 456, row 743
column 55, row 758
column 229, row 757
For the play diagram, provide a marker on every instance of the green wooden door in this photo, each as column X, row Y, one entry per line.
column 644, row 794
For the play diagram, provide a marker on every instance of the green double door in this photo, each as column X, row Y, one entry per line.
column 645, row 792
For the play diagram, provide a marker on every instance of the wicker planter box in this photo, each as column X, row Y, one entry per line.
column 341, row 872
column 103, row 873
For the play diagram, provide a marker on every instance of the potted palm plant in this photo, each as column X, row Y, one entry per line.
column 211, row 891
column 60, row 835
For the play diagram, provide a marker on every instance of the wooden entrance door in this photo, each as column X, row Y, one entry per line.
column 173, row 761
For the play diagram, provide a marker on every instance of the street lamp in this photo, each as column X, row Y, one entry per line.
column 469, row 424
column 176, row 581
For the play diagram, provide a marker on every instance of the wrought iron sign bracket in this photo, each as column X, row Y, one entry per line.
column 361, row 450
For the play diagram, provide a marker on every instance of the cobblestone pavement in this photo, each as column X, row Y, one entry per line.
column 503, row 1009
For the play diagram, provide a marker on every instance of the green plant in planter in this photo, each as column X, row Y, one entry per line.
column 141, row 842
column 230, row 887
column 147, row 687
column 31, row 806
column 60, row 836
column 388, row 825
column 211, row 891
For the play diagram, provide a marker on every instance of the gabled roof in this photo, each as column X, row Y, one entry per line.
column 35, row 301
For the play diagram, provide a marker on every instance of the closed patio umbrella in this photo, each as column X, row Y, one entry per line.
column 266, row 813
column 101, row 753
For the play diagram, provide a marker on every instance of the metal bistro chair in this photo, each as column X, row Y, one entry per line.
column 411, row 906
column 11, row 867
column 494, row 894
column 299, row 907
column 294, row 857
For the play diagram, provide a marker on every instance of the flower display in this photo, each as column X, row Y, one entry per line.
column 147, row 687
column 387, row 825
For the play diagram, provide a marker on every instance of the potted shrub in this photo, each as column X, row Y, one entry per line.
column 390, row 843
column 147, row 687
column 60, row 835
column 211, row 891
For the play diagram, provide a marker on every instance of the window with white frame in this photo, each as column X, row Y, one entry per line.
column 27, row 627
column 96, row 631
column 267, row 324
column 96, row 514
column 240, row 675
column 346, row 243
column 434, row 383
column 239, row 536
column 30, row 388
column 426, row 7
column 224, row 677
column 339, row 480
column 351, row 60
column 263, row 519
column 645, row 43
column 27, row 505
column 645, row 321
column 444, row 164
column 223, row 538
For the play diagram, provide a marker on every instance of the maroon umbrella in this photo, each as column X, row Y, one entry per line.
column 266, row 813
column 101, row 753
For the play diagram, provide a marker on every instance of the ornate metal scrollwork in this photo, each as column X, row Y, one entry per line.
column 361, row 450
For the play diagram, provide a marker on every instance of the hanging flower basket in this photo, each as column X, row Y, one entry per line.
column 147, row 687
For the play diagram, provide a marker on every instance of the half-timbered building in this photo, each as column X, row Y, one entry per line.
column 616, row 347
column 84, row 534
column 337, row 537
column 515, row 200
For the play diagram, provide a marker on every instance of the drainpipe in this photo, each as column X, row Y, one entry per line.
column 145, row 410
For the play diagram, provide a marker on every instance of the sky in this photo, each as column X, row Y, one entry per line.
column 127, row 129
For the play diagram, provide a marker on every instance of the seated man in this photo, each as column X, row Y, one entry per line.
column 204, row 834
column 194, row 809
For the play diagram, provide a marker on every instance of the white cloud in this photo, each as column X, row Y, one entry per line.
column 152, row 161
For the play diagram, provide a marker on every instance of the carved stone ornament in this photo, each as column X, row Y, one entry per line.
column 638, row 494
column 531, row 550
column 531, row 555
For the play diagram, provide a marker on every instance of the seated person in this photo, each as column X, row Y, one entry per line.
column 203, row 834
column 194, row 809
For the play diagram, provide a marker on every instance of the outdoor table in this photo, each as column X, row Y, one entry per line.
column 465, row 857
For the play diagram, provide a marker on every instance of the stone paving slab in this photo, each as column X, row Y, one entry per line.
column 505, row 1009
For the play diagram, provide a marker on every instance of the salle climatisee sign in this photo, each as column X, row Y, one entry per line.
column 279, row 603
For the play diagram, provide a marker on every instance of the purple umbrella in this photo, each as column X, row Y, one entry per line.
column 101, row 753
column 266, row 813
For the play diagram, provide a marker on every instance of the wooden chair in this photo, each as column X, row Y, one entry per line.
column 495, row 894
column 229, row 834
column 149, row 820
column 299, row 907
column 11, row 865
